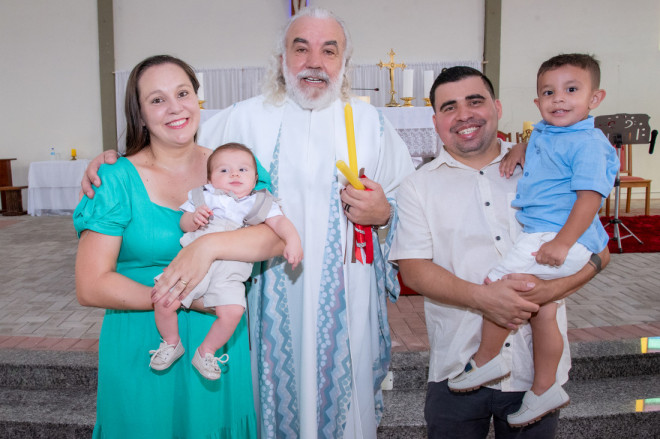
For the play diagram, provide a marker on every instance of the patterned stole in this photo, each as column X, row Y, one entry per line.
column 332, row 344
column 272, row 330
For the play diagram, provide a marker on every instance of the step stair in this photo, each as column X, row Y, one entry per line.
column 609, row 382
column 47, row 394
column 51, row 394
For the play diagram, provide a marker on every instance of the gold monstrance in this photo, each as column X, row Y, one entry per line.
column 391, row 66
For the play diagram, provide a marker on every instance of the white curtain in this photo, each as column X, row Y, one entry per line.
column 223, row 87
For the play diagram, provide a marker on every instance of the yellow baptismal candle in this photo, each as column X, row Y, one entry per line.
column 350, row 138
column 351, row 176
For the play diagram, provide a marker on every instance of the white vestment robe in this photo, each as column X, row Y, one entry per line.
column 320, row 338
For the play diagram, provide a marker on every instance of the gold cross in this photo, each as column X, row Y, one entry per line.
column 391, row 66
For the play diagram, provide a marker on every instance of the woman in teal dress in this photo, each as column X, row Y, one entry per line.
column 129, row 232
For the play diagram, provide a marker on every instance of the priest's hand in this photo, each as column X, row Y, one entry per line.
column 366, row 207
column 91, row 175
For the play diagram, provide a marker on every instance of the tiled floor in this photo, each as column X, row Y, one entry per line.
column 39, row 310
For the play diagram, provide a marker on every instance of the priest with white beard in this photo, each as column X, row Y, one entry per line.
column 321, row 337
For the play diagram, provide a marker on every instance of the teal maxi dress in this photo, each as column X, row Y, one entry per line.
column 134, row 401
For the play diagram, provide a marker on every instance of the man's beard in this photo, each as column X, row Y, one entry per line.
column 312, row 98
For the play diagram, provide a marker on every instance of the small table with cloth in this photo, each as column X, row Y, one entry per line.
column 54, row 186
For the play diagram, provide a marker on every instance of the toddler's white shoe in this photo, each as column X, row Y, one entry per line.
column 474, row 377
column 534, row 407
column 165, row 355
column 208, row 365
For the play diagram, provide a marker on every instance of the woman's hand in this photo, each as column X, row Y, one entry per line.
column 184, row 273
column 249, row 244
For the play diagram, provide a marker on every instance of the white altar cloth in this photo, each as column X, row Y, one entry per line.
column 415, row 126
column 54, row 186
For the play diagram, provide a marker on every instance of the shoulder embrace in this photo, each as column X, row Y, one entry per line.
column 115, row 172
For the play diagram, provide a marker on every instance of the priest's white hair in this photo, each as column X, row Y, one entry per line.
column 274, row 86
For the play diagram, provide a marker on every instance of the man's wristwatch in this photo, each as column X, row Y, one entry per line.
column 388, row 223
column 596, row 262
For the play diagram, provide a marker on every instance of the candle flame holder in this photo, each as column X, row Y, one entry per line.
column 427, row 102
column 407, row 102
column 201, row 105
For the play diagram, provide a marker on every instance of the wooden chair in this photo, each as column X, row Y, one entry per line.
column 628, row 181
column 504, row 136
column 10, row 196
column 519, row 138
column 13, row 200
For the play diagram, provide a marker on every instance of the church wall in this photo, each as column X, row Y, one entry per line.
column 233, row 34
column 50, row 54
column 624, row 36
column 48, row 81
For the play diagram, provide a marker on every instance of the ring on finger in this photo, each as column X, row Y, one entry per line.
column 183, row 282
column 347, row 207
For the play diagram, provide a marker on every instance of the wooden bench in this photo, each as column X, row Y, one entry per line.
column 13, row 198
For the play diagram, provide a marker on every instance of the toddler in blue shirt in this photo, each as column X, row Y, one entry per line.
column 569, row 167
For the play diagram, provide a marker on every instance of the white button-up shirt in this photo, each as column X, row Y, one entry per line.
column 461, row 218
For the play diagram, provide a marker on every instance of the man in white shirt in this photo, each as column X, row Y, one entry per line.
column 455, row 223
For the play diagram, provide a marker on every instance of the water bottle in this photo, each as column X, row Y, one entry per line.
column 52, row 153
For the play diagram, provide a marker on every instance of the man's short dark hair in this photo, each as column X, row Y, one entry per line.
column 579, row 60
column 455, row 74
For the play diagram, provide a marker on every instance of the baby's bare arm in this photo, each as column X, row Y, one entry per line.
column 285, row 229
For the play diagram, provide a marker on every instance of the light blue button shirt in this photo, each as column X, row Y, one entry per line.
column 560, row 161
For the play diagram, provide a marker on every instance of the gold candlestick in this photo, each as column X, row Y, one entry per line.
column 391, row 66
column 527, row 131
column 427, row 102
column 201, row 105
column 407, row 102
